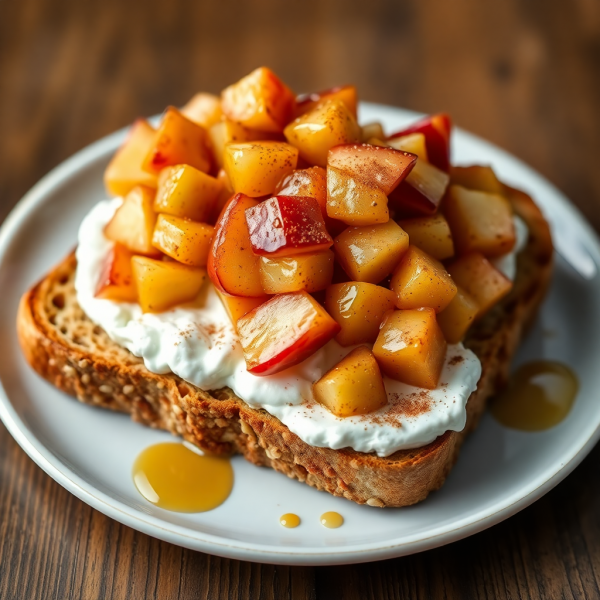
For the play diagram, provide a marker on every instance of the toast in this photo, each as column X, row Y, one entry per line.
column 79, row 358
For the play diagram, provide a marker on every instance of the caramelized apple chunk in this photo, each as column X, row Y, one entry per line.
column 178, row 141
column 353, row 387
column 186, row 192
column 238, row 306
column 477, row 177
column 162, row 285
column 413, row 142
column 283, row 332
column 326, row 125
column 421, row 281
column 183, row 240
column 372, row 131
column 371, row 253
column 359, row 308
column 133, row 222
column 259, row 101
column 255, row 168
column 116, row 277
column 310, row 272
column 286, row 226
column 125, row 171
column 411, row 347
column 431, row 234
column 458, row 316
column 311, row 183
column 346, row 94
column 479, row 221
column 203, row 109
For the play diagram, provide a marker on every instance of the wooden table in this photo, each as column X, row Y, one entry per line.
column 525, row 75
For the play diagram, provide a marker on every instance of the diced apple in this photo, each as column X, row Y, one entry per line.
column 421, row 281
column 431, row 234
column 186, row 241
column 413, row 142
column 238, row 306
column 411, row 347
column 183, row 191
column 346, row 94
column 225, row 193
column 116, row 277
column 283, row 332
column 311, row 182
column 259, row 101
column 476, row 177
column 162, row 285
column 372, row 130
column 178, row 141
column 359, row 308
column 133, row 222
column 203, row 109
column 479, row 221
column 323, row 127
column 309, row 272
column 458, row 316
column 255, row 168
column 436, row 130
column 480, row 279
column 286, row 226
column 371, row 253
column 353, row 387
column 232, row 266
column 125, row 171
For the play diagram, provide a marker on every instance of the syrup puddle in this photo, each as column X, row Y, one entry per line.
column 539, row 396
column 173, row 477
column 332, row 520
column 290, row 520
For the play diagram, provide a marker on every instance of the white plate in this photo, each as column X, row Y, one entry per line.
column 500, row 471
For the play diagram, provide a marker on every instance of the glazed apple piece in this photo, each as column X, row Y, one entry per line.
column 323, row 127
column 116, row 277
column 225, row 193
column 480, row 279
column 255, row 168
column 125, row 171
column 413, row 142
column 259, row 101
column 431, row 234
column 480, row 222
column 372, row 131
column 283, row 332
column 421, row 281
column 353, row 387
column 162, row 285
column 178, row 141
column 345, row 93
column 133, row 222
column 371, row 253
column 232, row 266
column 185, row 192
column 238, row 306
column 477, row 177
column 309, row 272
column 359, row 308
column 311, row 183
column 185, row 241
column 286, row 226
column 458, row 316
column 411, row 347
column 436, row 129
column 203, row 109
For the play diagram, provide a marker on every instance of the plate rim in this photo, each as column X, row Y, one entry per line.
column 214, row 544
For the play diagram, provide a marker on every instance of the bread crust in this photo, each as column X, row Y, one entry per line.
column 76, row 356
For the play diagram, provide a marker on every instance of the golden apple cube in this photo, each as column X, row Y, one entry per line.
column 370, row 253
column 431, row 234
column 185, row 241
column 238, row 306
column 314, row 133
column 255, row 168
column 372, row 130
column 477, row 177
column 225, row 131
column 353, row 387
column 345, row 93
column 186, row 192
column 479, row 221
column 125, row 171
column 203, row 109
column 309, row 272
column 458, row 316
column 421, row 281
column 359, row 308
column 411, row 347
column 116, row 277
column 133, row 222
column 162, row 285
column 413, row 142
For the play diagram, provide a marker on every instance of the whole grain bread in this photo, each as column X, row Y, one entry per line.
column 78, row 357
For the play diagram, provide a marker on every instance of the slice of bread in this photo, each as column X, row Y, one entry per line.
column 78, row 357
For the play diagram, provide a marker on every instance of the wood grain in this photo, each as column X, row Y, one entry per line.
column 524, row 74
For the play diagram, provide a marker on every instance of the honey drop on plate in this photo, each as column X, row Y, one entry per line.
column 173, row 477
column 332, row 520
column 290, row 520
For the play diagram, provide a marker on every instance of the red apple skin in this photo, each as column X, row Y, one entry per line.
column 283, row 332
column 287, row 226
column 436, row 129
column 406, row 202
